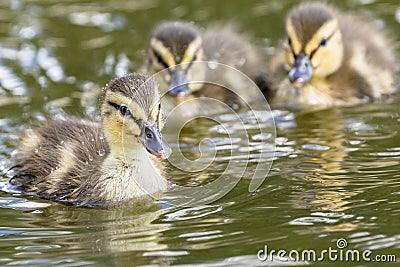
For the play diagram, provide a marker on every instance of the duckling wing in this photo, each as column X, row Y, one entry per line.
column 54, row 159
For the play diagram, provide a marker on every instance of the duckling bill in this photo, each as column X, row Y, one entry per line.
column 331, row 59
column 94, row 164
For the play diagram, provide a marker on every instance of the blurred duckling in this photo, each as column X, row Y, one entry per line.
column 330, row 59
column 175, row 42
column 89, row 164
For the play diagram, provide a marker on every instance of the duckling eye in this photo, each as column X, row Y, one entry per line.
column 323, row 42
column 124, row 110
column 149, row 135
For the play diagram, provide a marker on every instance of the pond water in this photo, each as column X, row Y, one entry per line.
column 334, row 180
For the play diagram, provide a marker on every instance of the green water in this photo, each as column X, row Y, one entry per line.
column 335, row 173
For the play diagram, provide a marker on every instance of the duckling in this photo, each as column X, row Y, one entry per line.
column 87, row 163
column 175, row 42
column 330, row 59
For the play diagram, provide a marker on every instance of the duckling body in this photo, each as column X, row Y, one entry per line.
column 330, row 59
column 195, row 51
column 87, row 163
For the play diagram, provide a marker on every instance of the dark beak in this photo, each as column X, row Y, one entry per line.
column 301, row 72
column 178, row 86
column 154, row 143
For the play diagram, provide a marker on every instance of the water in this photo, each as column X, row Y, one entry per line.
column 335, row 173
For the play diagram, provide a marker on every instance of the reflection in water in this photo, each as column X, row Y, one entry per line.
column 336, row 155
column 321, row 138
column 104, row 231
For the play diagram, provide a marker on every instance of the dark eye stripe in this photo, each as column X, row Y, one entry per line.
column 139, row 122
column 323, row 42
column 194, row 58
column 160, row 59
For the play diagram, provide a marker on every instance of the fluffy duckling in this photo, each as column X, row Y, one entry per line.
column 87, row 163
column 330, row 59
column 177, row 42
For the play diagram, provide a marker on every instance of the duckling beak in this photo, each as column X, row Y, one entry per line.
column 301, row 72
column 178, row 86
column 154, row 143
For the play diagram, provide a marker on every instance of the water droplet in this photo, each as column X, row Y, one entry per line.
column 235, row 106
column 241, row 62
column 62, row 142
column 101, row 152
column 36, row 150
column 213, row 64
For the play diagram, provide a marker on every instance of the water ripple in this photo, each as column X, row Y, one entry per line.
column 370, row 241
column 192, row 213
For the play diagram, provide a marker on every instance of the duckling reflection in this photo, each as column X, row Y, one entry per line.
column 89, row 164
column 331, row 59
column 321, row 141
column 115, row 231
column 179, row 47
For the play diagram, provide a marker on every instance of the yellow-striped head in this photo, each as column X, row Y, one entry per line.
column 314, row 45
column 131, row 114
column 171, row 44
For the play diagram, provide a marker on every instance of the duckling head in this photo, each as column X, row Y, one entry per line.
column 131, row 115
column 314, row 47
column 172, row 44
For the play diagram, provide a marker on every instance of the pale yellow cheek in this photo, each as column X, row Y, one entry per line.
column 131, row 129
column 194, row 86
column 316, row 59
column 127, row 126
column 326, row 62
column 196, row 76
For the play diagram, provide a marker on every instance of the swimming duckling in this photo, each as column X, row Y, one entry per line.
column 177, row 42
column 331, row 59
column 87, row 163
